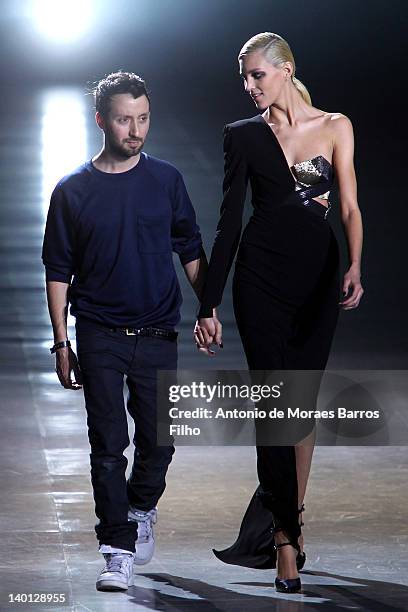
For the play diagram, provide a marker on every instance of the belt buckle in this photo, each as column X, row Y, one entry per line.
column 130, row 332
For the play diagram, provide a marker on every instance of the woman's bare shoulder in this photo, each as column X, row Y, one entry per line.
column 339, row 127
column 337, row 121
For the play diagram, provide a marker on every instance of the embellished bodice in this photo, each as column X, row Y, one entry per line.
column 311, row 172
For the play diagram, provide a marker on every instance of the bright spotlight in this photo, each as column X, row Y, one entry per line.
column 63, row 20
column 63, row 137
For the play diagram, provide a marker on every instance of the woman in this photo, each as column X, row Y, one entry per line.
column 286, row 282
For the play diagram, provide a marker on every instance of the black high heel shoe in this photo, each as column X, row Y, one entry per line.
column 301, row 556
column 288, row 585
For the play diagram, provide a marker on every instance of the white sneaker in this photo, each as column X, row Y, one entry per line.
column 145, row 535
column 118, row 572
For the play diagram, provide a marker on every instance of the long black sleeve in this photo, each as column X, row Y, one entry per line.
column 230, row 224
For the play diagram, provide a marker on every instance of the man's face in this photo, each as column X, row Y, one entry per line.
column 126, row 124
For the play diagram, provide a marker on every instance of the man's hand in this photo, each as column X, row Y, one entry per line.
column 206, row 332
column 66, row 362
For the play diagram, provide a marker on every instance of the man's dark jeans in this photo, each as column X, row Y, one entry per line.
column 105, row 357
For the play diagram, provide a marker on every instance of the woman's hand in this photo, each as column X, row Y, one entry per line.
column 206, row 332
column 352, row 282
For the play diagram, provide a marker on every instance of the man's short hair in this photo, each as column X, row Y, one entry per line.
column 117, row 83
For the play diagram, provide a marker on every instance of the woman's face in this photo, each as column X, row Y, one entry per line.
column 262, row 80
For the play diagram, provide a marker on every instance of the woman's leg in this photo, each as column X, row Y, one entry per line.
column 304, row 454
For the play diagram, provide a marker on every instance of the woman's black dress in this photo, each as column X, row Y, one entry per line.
column 286, row 295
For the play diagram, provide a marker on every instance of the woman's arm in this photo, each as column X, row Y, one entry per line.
column 230, row 223
column 226, row 239
column 343, row 161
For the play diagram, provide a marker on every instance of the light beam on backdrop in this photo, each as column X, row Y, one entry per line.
column 63, row 136
column 63, row 139
column 63, row 21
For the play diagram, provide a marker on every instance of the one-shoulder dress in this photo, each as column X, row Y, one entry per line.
column 286, row 292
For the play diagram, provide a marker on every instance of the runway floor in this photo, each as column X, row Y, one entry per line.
column 355, row 519
column 356, row 535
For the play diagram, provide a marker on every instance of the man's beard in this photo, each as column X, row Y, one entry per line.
column 125, row 151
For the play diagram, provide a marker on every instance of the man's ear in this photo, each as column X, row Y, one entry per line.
column 100, row 120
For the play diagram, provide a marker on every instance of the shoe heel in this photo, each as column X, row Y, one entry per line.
column 291, row 585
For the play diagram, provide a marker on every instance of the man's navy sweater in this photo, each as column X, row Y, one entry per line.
column 115, row 233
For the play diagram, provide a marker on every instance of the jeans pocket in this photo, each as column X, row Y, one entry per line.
column 92, row 339
column 153, row 234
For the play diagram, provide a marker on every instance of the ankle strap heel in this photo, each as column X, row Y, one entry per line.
column 288, row 585
column 295, row 546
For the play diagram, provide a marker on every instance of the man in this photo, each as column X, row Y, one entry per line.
column 112, row 226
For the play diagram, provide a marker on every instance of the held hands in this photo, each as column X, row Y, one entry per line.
column 206, row 332
column 65, row 363
column 352, row 282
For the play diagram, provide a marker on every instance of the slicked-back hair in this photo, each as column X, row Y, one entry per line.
column 117, row 83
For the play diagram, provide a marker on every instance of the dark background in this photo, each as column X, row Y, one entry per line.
column 349, row 54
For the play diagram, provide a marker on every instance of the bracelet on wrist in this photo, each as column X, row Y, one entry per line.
column 59, row 345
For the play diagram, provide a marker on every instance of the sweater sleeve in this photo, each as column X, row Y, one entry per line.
column 230, row 223
column 185, row 233
column 58, row 244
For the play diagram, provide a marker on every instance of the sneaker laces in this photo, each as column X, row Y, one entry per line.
column 144, row 523
column 144, row 529
column 115, row 562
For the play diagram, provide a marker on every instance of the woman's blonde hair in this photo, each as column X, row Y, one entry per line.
column 276, row 51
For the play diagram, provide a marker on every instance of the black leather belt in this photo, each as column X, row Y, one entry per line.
column 155, row 332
